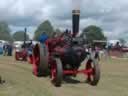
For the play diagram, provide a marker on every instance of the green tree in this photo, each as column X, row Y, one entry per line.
column 19, row 36
column 5, row 32
column 47, row 27
column 93, row 32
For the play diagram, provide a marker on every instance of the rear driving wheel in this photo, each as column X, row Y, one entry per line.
column 40, row 64
column 57, row 72
column 93, row 76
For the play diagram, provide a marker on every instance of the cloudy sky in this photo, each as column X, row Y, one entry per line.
column 110, row 15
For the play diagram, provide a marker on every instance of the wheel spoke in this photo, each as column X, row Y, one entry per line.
column 94, row 76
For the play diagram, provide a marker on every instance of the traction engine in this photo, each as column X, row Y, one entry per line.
column 63, row 56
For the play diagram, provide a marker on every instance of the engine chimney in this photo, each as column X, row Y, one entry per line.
column 76, row 16
column 25, row 38
column 75, row 21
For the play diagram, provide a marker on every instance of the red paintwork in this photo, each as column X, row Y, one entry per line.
column 53, row 72
column 30, row 59
column 121, row 49
column 53, row 46
column 35, row 65
column 21, row 55
column 118, row 52
column 84, row 71
column 125, row 49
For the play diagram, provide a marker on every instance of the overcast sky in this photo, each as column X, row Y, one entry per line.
column 110, row 15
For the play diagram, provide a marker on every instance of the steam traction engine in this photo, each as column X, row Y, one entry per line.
column 23, row 51
column 63, row 56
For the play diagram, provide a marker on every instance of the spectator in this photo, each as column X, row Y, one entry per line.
column 9, row 50
column 109, row 47
column 5, row 49
column 30, row 48
column 43, row 38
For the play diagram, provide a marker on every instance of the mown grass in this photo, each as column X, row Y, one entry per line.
column 21, row 82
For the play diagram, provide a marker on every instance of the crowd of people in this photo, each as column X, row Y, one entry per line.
column 7, row 50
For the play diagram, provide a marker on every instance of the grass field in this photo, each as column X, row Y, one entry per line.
column 21, row 82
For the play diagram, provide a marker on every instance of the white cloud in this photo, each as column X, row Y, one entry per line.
column 110, row 15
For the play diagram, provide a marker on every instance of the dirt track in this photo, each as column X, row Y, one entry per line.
column 21, row 82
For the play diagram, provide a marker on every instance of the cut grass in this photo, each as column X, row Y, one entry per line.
column 21, row 82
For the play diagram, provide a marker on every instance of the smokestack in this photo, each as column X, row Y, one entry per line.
column 75, row 21
column 25, row 33
column 75, row 17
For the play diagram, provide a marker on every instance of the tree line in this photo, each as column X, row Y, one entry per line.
column 91, row 32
